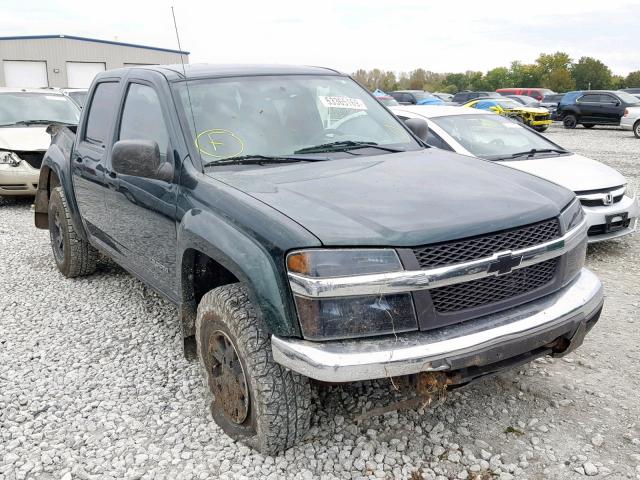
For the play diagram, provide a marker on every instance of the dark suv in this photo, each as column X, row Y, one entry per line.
column 467, row 95
column 594, row 107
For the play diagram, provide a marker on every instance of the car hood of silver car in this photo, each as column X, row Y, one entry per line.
column 572, row 171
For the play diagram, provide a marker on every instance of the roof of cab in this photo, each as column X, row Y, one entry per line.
column 205, row 70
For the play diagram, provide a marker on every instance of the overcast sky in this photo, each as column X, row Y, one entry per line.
column 398, row 35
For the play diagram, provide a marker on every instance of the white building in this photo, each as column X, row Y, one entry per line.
column 71, row 62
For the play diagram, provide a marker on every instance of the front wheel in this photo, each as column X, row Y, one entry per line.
column 636, row 129
column 253, row 399
column 73, row 255
column 541, row 128
column 569, row 121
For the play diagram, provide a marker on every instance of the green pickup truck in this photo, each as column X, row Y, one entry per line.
column 306, row 233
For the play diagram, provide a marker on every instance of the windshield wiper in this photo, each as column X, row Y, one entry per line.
column 261, row 160
column 345, row 145
column 534, row 151
column 35, row 122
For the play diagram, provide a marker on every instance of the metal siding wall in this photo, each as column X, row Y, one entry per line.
column 58, row 51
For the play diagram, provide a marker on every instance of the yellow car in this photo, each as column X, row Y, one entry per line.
column 536, row 117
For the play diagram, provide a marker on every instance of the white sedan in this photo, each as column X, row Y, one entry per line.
column 611, row 209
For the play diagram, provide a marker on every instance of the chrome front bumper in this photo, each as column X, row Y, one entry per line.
column 515, row 331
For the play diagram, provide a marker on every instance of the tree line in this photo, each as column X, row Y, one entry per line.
column 556, row 71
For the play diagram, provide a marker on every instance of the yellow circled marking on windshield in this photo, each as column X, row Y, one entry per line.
column 219, row 143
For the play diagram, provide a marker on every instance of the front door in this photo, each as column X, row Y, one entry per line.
column 142, row 210
column 612, row 108
column 89, row 157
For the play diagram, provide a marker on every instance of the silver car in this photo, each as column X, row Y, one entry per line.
column 631, row 120
column 612, row 209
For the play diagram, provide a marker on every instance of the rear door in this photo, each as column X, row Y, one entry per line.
column 89, row 156
column 142, row 210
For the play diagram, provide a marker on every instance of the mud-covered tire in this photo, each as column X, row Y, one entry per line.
column 588, row 125
column 74, row 256
column 277, row 415
column 636, row 129
column 570, row 121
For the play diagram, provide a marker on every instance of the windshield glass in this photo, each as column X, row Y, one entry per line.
column 78, row 97
column 627, row 97
column 388, row 101
column 507, row 103
column 24, row 107
column 491, row 137
column 280, row 115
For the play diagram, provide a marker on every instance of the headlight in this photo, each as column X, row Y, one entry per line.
column 572, row 215
column 9, row 158
column 349, row 317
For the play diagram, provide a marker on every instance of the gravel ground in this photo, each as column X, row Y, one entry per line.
column 93, row 384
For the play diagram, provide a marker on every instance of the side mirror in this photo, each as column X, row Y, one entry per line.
column 418, row 126
column 140, row 158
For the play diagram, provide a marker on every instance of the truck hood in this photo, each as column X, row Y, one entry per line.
column 574, row 172
column 25, row 138
column 402, row 199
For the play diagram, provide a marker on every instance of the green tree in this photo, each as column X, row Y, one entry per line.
column 559, row 80
column 497, row 78
column 525, row 75
column 417, row 79
column 457, row 79
column 361, row 77
column 633, row 79
column 555, row 72
column 548, row 62
column 591, row 73
column 618, row 82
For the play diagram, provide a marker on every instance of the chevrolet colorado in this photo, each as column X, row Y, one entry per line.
column 306, row 233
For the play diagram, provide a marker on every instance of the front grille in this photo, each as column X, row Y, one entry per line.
column 485, row 291
column 449, row 253
column 32, row 158
column 599, row 202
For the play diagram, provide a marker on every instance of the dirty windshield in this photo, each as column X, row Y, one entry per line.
column 290, row 117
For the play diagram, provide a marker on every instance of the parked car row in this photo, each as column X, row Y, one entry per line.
column 538, row 107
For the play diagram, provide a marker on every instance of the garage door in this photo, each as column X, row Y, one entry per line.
column 25, row 74
column 80, row 74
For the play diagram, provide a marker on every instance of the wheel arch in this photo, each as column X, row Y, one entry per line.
column 212, row 253
column 55, row 172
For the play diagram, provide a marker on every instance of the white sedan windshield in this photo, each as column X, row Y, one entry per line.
column 282, row 115
column 26, row 106
column 492, row 136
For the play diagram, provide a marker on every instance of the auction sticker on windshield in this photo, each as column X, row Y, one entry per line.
column 343, row 102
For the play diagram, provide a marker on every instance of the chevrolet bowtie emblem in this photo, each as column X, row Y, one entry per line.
column 504, row 263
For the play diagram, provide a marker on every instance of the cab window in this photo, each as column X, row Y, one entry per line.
column 142, row 117
column 101, row 112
